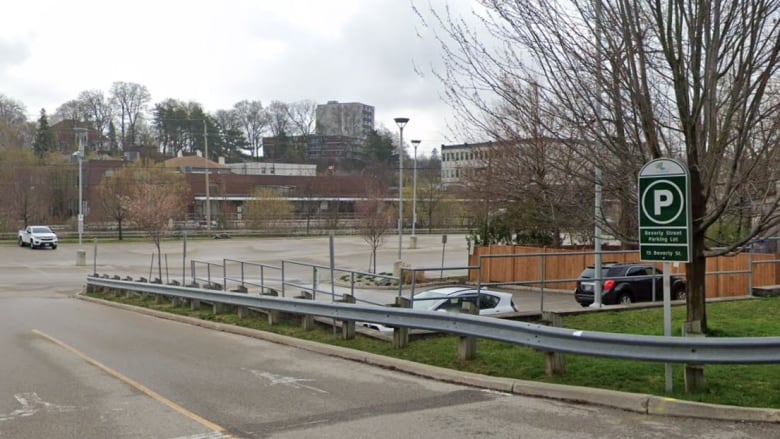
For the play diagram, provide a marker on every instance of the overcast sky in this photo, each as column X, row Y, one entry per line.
column 218, row 53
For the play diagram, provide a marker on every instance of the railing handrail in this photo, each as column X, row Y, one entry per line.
column 692, row 350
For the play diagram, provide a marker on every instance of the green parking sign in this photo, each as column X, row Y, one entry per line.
column 664, row 211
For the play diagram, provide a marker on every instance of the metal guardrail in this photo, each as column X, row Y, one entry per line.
column 692, row 350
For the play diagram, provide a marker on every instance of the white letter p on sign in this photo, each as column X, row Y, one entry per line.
column 662, row 198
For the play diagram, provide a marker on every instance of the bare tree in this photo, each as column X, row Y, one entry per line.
column 12, row 111
column 279, row 120
column 129, row 101
column 301, row 115
column 114, row 189
column 20, row 195
column 157, row 197
column 71, row 110
column 99, row 110
column 375, row 220
column 629, row 81
column 254, row 120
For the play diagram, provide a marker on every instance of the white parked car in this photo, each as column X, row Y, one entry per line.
column 451, row 299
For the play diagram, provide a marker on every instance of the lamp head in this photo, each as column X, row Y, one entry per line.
column 401, row 121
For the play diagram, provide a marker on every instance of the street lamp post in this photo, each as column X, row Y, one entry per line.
column 401, row 122
column 206, row 163
column 81, row 134
column 413, row 243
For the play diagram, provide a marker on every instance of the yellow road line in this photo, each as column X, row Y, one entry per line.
column 138, row 386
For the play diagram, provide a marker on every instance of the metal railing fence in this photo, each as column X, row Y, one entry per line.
column 691, row 350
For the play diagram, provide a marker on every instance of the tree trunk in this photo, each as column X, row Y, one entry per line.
column 696, row 270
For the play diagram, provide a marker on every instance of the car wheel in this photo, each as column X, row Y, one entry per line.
column 625, row 299
column 54, row 247
column 680, row 293
column 21, row 243
column 32, row 246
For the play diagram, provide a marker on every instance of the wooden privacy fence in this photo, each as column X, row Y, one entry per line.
column 727, row 276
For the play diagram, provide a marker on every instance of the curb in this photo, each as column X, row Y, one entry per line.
column 633, row 402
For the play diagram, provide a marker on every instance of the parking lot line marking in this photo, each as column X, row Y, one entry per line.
column 138, row 386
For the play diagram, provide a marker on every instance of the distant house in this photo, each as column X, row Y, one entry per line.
column 66, row 136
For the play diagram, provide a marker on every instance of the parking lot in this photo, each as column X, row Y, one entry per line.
column 45, row 271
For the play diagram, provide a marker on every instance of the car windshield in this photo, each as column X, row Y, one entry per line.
column 41, row 230
column 427, row 300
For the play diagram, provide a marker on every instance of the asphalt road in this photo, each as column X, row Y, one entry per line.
column 75, row 369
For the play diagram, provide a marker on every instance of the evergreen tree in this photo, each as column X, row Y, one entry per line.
column 112, row 140
column 44, row 136
column 380, row 148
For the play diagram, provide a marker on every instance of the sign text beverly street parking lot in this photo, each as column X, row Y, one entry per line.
column 664, row 211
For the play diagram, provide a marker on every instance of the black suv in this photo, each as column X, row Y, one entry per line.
column 627, row 283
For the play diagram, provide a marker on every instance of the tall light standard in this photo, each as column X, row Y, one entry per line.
column 415, row 143
column 206, row 162
column 401, row 122
column 81, row 134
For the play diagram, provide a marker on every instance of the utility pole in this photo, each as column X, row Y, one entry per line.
column 208, row 197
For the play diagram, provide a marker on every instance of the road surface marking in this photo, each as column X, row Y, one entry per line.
column 32, row 403
column 295, row 383
column 138, row 386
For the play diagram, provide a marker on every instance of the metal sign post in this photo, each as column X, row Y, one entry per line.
column 443, row 245
column 665, row 225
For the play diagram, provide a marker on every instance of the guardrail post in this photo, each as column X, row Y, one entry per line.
column 467, row 346
column 401, row 335
column 273, row 316
column 694, row 373
column 194, row 304
column 554, row 362
column 307, row 320
column 219, row 308
column 348, row 326
column 193, row 274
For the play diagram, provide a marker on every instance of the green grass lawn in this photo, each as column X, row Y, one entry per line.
column 751, row 386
